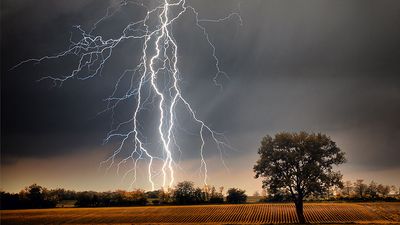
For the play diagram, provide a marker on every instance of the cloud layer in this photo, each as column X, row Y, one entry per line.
column 319, row 66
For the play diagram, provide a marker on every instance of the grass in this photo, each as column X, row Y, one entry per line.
column 209, row 214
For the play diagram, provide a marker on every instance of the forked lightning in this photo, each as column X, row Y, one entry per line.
column 159, row 60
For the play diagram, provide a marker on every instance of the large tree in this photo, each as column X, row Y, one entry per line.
column 300, row 164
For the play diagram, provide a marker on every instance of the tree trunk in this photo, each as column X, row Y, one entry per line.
column 299, row 210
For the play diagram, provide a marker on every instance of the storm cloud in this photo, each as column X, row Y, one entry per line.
column 320, row 66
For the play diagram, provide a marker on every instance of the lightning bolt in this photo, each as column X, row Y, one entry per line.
column 159, row 59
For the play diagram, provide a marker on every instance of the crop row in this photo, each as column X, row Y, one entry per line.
column 240, row 214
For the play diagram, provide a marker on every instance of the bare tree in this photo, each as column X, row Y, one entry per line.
column 347, row 188
column 360, row 188
column 372, row 189
column 383, row 190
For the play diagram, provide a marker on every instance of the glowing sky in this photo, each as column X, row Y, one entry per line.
column 319, row 66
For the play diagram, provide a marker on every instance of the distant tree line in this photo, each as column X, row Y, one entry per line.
column 359, row 191
column 351, row 191
column 185, row 193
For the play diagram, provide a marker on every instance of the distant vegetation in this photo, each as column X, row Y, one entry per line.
column 185, row 193
column 36, row 196
column 359, row 191
column 356, row 191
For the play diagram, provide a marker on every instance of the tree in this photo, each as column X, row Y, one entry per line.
column 394, row 190
column 360, row 188
column 34, row 194
column 199, row 196
column 236, row 196
column 372, row 189
column 299, row 163
column 215, row 197
column 184, row 192
column 136, row 197
column 348, row 188
column 166, row 196
column 383, row 190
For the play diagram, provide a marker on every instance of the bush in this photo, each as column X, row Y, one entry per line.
column 236, row 196
column 153, row 194
column 9, row 201
column 217, row 199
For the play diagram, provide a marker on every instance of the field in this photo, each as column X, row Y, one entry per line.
column 209, row 214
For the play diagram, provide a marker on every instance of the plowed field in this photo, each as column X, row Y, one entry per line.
column 210, row 214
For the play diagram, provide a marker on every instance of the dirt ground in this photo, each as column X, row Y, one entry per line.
column 333, row 213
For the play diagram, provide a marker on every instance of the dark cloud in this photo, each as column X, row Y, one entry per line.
column 322, row 66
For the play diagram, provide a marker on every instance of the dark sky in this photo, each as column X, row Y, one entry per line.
column 319, row 66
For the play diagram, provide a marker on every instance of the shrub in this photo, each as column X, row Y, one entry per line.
column 236, row 196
